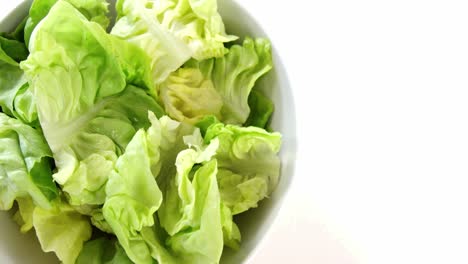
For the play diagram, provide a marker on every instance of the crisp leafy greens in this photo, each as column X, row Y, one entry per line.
column 94, row 10
column 233, row 77
column 188, row 97
column 196, row 22
column 248, row 164
column 24, row 165
column 61, row 230
column 101, row 171
column 261, row 109
column 88, row 109
column 133, row 196
column 102, row 251
column 171, row 32
column 15, row 95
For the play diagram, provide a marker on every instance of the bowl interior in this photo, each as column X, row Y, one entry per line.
column 254, row 224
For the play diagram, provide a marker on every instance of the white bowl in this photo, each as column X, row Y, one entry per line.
column 254, row 224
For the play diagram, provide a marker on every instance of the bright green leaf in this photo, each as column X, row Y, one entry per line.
column 261, row 109
column 61, row 230
column 80, row 79
column 24, row 165
column 235, row 74
column 248, row 164
column 94, row 10
column 188, row 97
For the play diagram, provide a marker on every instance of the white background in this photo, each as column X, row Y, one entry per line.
column 382, row 100
column 382, row 107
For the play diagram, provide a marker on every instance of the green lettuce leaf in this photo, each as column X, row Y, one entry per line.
column 191, row 213
column 248, row 164
column 188, row 97
column 137, row 24
column 102, row 251
column 205, row 123
column 180, row 193
column 24, row 106
column 11, row 82
column 261, row 109
column 201, row 241
column 24, row 216
column 165, row 138
column 15, row 99
column 14, row 49
column 94, row 10
column 188, row 227
column 61, row 230
column 133, row 196
column 231, row 232
column 172, row 32
column 24, row 165
column 98, row 220
column 248, row 169
column 80, row 77
column 18, row 32
column 154, row 238
column 235, row 74
column 197, row 23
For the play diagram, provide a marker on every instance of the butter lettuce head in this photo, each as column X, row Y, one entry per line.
column 234, row 76
column 81, row 79
column 24, row 165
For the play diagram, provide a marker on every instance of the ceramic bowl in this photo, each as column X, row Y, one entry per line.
column 24, row 248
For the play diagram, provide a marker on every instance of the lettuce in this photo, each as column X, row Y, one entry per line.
column 103, row 251
column 18, row 33
column 94, row 10
column 200, row 238
column 261, row 109
column 61, row 230
column 14, row 49
column 191, row 212
column 248, row 164
column 221, row 87
column 188, row 97
column 137, row 25
column 24, row 215
column 196, row 22
column 192, row 202
column 171, row 32
column 24, row 165
column 97, row 168
column 15, row 95
column 133, row 196
column 87, row 121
